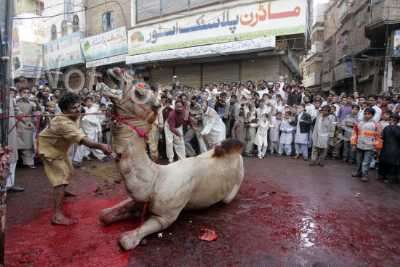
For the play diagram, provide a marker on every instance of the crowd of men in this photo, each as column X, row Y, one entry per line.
column 270, row 118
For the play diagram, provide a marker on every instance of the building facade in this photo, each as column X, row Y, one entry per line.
column 202, row 42
column 359, row 53
column 312, row 63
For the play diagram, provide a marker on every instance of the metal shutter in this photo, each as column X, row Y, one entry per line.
column 162, row 76
column 147, row 9
column 220, row 72
column 266, row 68
column 189, row 75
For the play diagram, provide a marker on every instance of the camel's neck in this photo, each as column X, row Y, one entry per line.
column 138, row 171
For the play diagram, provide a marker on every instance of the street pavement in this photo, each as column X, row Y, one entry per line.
column 286, row 214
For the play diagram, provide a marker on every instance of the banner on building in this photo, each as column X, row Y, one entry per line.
column 108, row 44
column 396, row 43
column 206, row 50
column 265, row 19
column 63, row 52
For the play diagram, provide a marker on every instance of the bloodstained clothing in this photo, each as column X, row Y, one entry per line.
column 176, row 119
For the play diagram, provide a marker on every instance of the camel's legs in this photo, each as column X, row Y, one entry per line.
column 231, row 195
column 131, row 239
column 120, row 211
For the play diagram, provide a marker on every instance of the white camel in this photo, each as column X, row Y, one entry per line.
column 192, row 183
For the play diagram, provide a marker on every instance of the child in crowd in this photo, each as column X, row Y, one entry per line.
column 251, row 123
column 385, row 120
column 322, row 130
column 275, row 132
column 365, row 139
column 261, row 140
column 238, row 129
column 286, row 138
column 347, row 128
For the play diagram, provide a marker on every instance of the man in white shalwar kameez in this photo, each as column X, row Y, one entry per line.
column 12, row 143
column 214, row 131
column 91, row 126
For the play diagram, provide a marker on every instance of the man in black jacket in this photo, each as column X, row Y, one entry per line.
column 389, row 162
column 303, row 127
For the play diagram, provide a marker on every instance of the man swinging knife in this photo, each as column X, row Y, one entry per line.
column 54, row 143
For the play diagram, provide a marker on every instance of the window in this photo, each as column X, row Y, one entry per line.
column 64, row 28
column 107, row 21
column 53, row 32
column 75, row 23
column 39, row 8
column 148, row 9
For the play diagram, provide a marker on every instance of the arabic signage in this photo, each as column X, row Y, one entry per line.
column 396, row 43
column 247, row 22
column 207, row 50
column 63, row 52
column 105, row 45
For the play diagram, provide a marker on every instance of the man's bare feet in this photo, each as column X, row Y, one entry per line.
column 62, row 220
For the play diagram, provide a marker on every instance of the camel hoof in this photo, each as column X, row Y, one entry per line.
column 104, row 217
column 128, row 242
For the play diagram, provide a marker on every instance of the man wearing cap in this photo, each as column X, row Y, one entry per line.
column 12, row 143
column 26, row 127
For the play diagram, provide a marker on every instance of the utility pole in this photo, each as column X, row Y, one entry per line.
column 6, row 11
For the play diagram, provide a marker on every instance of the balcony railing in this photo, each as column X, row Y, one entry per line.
column 387, row 11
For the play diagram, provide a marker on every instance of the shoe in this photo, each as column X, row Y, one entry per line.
column 355, row 175
column 107, row 159
column 31, row 166
column 312, row 164
column 296, row 157
column 364, row 179
column 76, row 164
column 321, row 164
column 15, row 189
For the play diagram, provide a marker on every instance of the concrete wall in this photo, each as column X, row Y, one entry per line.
column 25, row 6
column 121, row 14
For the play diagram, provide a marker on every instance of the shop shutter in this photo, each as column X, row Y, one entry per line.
column 189, row 75
column 266, row 68
column 220, row 72
column 162, row 76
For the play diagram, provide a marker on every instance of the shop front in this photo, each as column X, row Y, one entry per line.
column 227, row 45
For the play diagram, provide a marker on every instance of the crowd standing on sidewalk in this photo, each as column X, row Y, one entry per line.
column 271, row 118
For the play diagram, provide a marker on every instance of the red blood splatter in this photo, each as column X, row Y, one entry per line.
column 85, row 244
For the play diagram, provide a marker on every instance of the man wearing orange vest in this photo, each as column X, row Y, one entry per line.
column 365, row 140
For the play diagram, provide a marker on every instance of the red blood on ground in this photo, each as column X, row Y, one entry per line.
column 286, row 214
column 87, row 243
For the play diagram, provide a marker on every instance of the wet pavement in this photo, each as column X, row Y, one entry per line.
column 286, row 214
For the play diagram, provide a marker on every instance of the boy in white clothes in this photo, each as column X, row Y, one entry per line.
column 274, row 132
column 261, row 140
column 286, row 139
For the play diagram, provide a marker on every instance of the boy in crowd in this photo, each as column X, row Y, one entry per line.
column 324, row 126
column 346, row 126
column 54, row 143
column 365, row 139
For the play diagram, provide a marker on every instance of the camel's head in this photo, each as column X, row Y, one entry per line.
column 133, row 99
